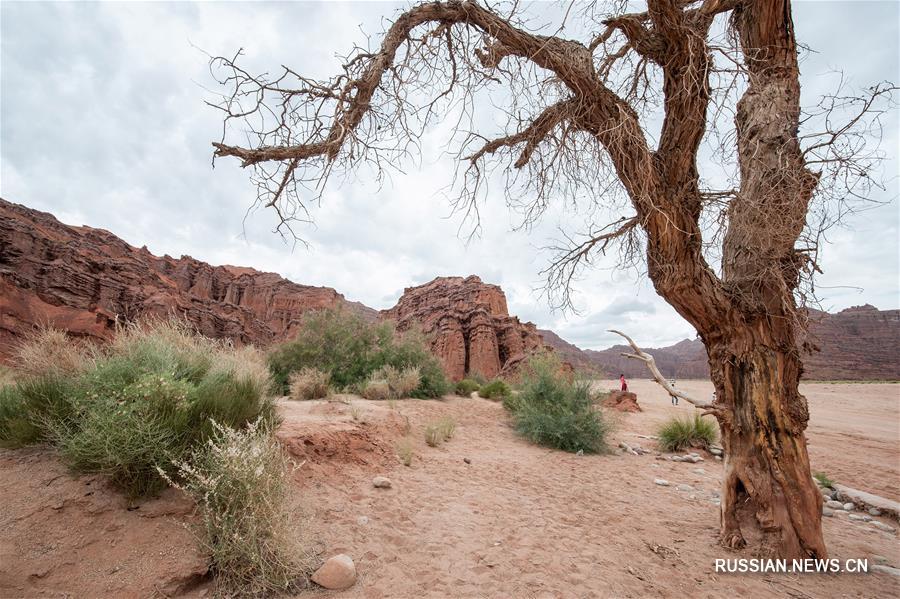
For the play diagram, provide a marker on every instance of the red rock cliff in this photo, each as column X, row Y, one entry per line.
column 471, row 326
column 81, row 279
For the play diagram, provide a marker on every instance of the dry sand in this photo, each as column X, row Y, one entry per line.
column 517, row 521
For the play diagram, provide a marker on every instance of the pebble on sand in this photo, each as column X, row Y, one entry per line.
column 661, row 482
column 337, row 573
column 381, row 482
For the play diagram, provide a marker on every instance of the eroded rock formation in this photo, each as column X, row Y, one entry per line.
column 82, row 279
column 470, row 325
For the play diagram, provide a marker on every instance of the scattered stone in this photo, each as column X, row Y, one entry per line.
column 661, row 482
column 362, row 520
column 849, row 506
column 885, row 569
column 699, row 471
column 826, row 497
column 579, row 453
column 677, row 458
column 874, row 511
column 685, row 488
column 827, row 512
column 654, row 465
column 693, row 458
column 718, row 458
column 835, row 505
column 716, row 450
column 381, row 482
column 860, row 517
column 337, row 573
column 879, row 559
column 882, row 526
column 467, row 460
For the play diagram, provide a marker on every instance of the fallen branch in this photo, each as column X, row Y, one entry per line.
column 657, row 375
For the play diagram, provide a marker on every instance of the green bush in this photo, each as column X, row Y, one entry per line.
column 238, row 481
column 466, row 387
column 145, row 400
column 553, row 410
column 351, row 350
column 680, row 433
column 495, row 390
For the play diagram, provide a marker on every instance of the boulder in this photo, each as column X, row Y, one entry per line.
column 337, row 573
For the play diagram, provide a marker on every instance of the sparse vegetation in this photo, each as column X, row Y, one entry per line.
column 680, row 433
column 446, row 427
column 352, row 351
column 405, row 451
column 554, row 410
column 309, row 383
column 356, row 413
column 433, row 436
column 238, row 481
column 823, row 479
column 375, row 389
column 142, row 401
column 466, row 387
column 496, row 390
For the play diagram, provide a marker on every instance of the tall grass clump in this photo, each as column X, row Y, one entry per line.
column 143, row 400
column 680, row 433
column 309, row 383
column 238, row 480
column 353, row 350
column 554, row 410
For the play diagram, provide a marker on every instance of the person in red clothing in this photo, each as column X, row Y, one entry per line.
column 624, row 384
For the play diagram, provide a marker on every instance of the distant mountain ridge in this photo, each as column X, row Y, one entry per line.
column 858, row 343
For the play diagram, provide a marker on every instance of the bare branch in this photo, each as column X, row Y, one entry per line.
column 647, row 359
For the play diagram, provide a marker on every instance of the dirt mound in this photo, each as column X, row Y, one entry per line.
column 622, row 401
column 347, row 430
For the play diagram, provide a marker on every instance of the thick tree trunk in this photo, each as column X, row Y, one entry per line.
column 769, row 500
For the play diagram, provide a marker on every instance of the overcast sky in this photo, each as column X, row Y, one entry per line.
column 102, row 123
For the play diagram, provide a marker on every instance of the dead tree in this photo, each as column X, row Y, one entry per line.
column 575, row 132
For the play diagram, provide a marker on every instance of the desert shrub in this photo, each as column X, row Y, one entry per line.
column 466, row 387
column 823, row 479
column 376, row 389
column 145, row 400
column 405, row 451
column 496, row 390
column 351, row 350
column 402, row 382
column 554, row 410
column 309, row 383
column 680, row 433
column 7, row 376
column 446, row 427
column 238, row 481
column 433, row 436
column 30, row 404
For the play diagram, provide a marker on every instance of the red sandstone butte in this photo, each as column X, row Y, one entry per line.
column 82, row 279
column 471, row 329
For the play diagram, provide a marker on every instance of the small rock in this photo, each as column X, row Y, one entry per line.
column 879, row 559
column 882, row 526
column 860, row 517
column 337, row 573
column 715, row 451
column 849, row 506
column 835, row 505
column 467, row 460
column 362, row 520
column 661, row 482
column 685, row 488
column 826, row 497
column 699, row 471
column 693, row 458
column 885, row 569
column 654, row 465
column 874, row 511
column 827, row 512
column 718, row 458
column 677, row 458
column 381, row 482
column 580, row 452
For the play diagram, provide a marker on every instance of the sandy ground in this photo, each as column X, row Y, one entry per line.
column 516, row 521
